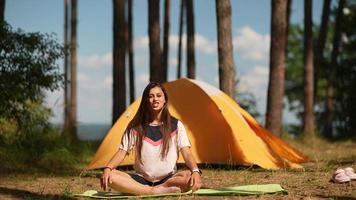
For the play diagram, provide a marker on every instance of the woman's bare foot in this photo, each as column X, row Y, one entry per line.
column 164, row 190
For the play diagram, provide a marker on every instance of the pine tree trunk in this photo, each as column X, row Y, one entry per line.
column 2, row 11
column 277, row 67
column 73, row 67
column 181, row 22
column 119, row 50
column 131, row 54
column 308, row 117
column 225, row 48
column 190, row 40
column 319, row 57
column 156, row 72
column 66, row 69
column 289, row 12
column 329, row 110
column 166, row 39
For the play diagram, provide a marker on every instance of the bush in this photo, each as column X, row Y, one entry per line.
column 37, row 148
column 58, row 158
column 28, row 67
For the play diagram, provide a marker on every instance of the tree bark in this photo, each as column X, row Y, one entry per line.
column 167, row 14
column 156, row 71
column 225, row 48
column 308, row 117
column 289, row 12
column 2, row 11
column 190, row 40
column 181, row 22
column 73, row 67
column 119, row 50
column 131, row 54
column 329, row 110
column 319, row 52
column 66, row 69
column 277, row 67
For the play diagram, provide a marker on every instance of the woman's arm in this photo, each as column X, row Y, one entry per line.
column 113, row 163
column 195, row 180
column 116, row 159
column 188, row 158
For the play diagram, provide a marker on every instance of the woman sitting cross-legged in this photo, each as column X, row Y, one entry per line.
column 156, row 138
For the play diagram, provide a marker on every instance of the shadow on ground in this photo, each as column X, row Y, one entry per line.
column 30, row 195
column 344, row 161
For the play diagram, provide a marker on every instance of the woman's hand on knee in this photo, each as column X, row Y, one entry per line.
column 195, row 181
column 106, row 178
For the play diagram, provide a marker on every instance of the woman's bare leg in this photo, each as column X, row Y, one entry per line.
column 122, row 182
column 180, row 179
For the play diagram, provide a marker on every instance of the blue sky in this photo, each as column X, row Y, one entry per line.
column 250, row 30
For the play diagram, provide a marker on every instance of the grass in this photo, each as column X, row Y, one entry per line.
column 312, row 182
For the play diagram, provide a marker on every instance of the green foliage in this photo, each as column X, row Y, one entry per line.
column 345, row 92
column 7, row 127
column 294, row 69
column 294, row 83
column 248, row 102
column 41, row 148
column 59, row 157
column 346, row 72
column 67, row 191
column 36, row 147
column 28, row 142
column 27, row 68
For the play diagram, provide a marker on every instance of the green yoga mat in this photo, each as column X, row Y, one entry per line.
column 226, row 191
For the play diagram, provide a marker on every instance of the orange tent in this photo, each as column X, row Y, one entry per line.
column 220, row 131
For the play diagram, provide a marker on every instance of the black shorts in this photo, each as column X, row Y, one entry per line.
column 143, row 181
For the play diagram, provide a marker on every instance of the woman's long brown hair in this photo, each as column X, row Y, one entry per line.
column 143, row 118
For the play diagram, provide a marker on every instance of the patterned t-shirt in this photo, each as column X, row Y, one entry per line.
column 153, row 168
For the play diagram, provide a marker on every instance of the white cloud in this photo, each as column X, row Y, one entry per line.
column 205, row 45
column 202, row 44
column 247, row 42
column 174, row 41
column 252, row 45
column 255, row 81
column 86, row 82
column 93, row 96
column 95, row 61
column 141, row 43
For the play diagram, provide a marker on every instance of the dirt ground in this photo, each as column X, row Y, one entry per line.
column 312, row 182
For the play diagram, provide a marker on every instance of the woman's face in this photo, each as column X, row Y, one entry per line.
column 156, row 99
